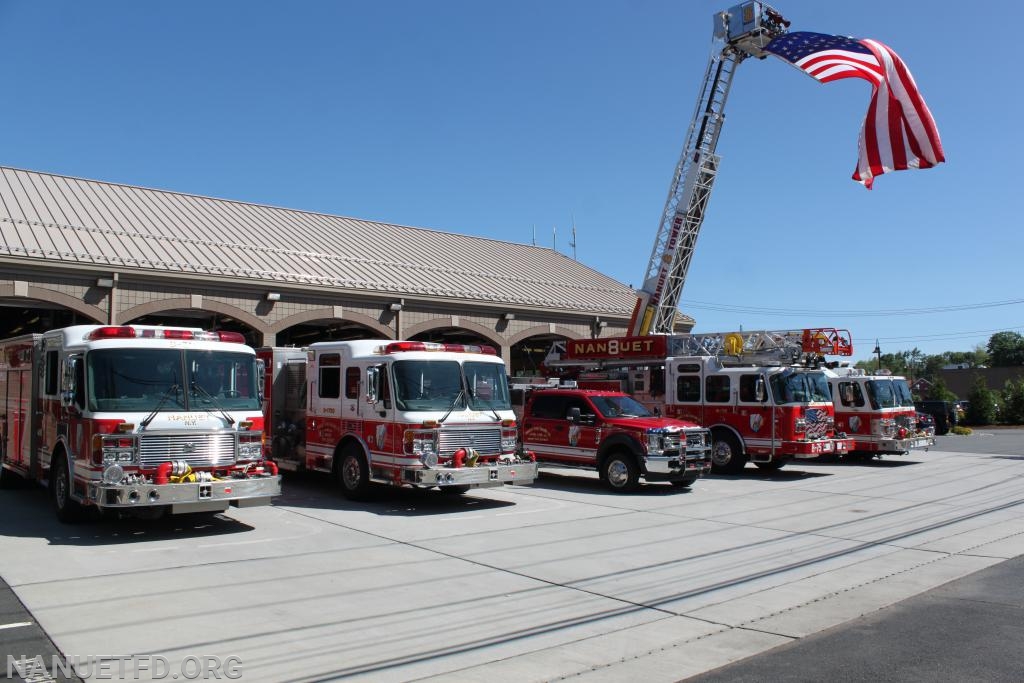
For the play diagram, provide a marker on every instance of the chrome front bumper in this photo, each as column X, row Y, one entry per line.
column 477, row 476
column 202, row 495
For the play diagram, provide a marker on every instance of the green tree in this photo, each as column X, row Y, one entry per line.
column 983, row 404
column 973, row 359
column 1012, row 411
column 940, row 392
column 1006, row 349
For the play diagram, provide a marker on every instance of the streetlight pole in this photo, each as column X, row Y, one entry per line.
column 878, row 352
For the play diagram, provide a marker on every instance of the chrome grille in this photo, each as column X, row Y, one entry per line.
column 694, row 440
column 203, row 449
column 672, row 441
column 487, row 440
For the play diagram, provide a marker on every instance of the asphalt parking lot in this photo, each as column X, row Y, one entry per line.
column 558, row 580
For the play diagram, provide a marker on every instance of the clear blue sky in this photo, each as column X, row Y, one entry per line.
column 511, row 119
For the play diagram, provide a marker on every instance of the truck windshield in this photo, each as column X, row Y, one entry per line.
column 903, row 395
column 428, row 385
column 435, row 385
column 138, row 379
column 791, row 386
column 488, row 386
column 619, row 406
column 889, row 393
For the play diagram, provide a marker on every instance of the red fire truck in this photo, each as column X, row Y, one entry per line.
column 877, row 412
column 135, row 418
column 763, row 395
column 401, row 413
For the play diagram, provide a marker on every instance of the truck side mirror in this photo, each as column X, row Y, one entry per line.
column 69, row 383
column 759, row 391
column 261, row 378
column 574, row 415
column 372, row 385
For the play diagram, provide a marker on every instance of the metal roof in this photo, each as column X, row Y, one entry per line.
column 71, row 220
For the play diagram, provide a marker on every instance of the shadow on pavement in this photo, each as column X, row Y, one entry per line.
column 26, row 512
column 315, row 490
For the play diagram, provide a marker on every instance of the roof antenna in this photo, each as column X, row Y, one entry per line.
column 573, row 242
column 534, row 234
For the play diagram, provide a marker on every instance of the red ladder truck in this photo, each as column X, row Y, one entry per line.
column 764, row 395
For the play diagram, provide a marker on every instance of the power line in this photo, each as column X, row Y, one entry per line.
column 950, row 335
column 731, row 308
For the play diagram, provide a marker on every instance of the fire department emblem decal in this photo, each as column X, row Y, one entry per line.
column 756, row 420
column 574, row 434
column 855, row 423
column 382, row 435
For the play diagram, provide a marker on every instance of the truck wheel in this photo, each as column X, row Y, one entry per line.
column 68, row 511
column 773, row 466
column 620, row 472
column 456, row 490
column 353, row 474
column 727, row 457
column 685, row 482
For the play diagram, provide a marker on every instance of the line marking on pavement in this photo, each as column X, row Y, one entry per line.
column 18, row 624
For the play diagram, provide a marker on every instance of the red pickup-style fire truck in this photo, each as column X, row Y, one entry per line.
column 134, row 418
column 611, row 432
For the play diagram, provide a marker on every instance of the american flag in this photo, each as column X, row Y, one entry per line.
column 899, row 131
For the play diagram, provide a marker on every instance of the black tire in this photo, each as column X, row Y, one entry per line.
column 620, row 472
column 353, row 473
column 727, row 457
column 773, row 466
column 456, row 490
column 66, row 508
column 685, row 482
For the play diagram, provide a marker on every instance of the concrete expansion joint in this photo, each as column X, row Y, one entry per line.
column 833, row 594
column 652, row 651
column 967, row 551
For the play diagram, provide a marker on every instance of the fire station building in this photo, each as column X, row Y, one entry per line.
column 81, row 251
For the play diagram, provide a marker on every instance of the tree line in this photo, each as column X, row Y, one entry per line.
column 985, row 406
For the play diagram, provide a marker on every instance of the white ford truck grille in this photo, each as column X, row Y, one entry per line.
column 487, row 440
column 198, row 450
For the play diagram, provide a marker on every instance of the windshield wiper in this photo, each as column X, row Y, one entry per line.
column 173, row 389
column 196, row 387
column 458, row 397
column 487, row 403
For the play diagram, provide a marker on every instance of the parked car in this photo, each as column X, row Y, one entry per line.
column 926, row 423
column 945, row 414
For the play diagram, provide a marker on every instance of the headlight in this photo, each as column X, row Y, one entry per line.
column 655, row 443
column 250, row 445
column 509, row 440
column 800, row 425
column 422, row 443
column 118, row 449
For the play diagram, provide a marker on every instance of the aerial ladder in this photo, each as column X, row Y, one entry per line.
column 740, row 32
column 765, row 347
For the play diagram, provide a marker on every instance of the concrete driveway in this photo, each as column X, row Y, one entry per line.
column 529, row 584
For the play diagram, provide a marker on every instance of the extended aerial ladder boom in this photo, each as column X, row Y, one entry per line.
column 776, row 347
column 740, row 32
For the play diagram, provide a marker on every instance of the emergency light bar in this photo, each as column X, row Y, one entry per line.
column 129, row 332
column 398, row 347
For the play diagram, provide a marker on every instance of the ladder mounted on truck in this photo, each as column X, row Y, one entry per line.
column 777, row 347
column 742, row 31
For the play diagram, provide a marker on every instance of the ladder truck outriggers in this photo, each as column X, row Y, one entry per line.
column 398, row 413
column 764, row 395
column 135, row 419
column 877, row 412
